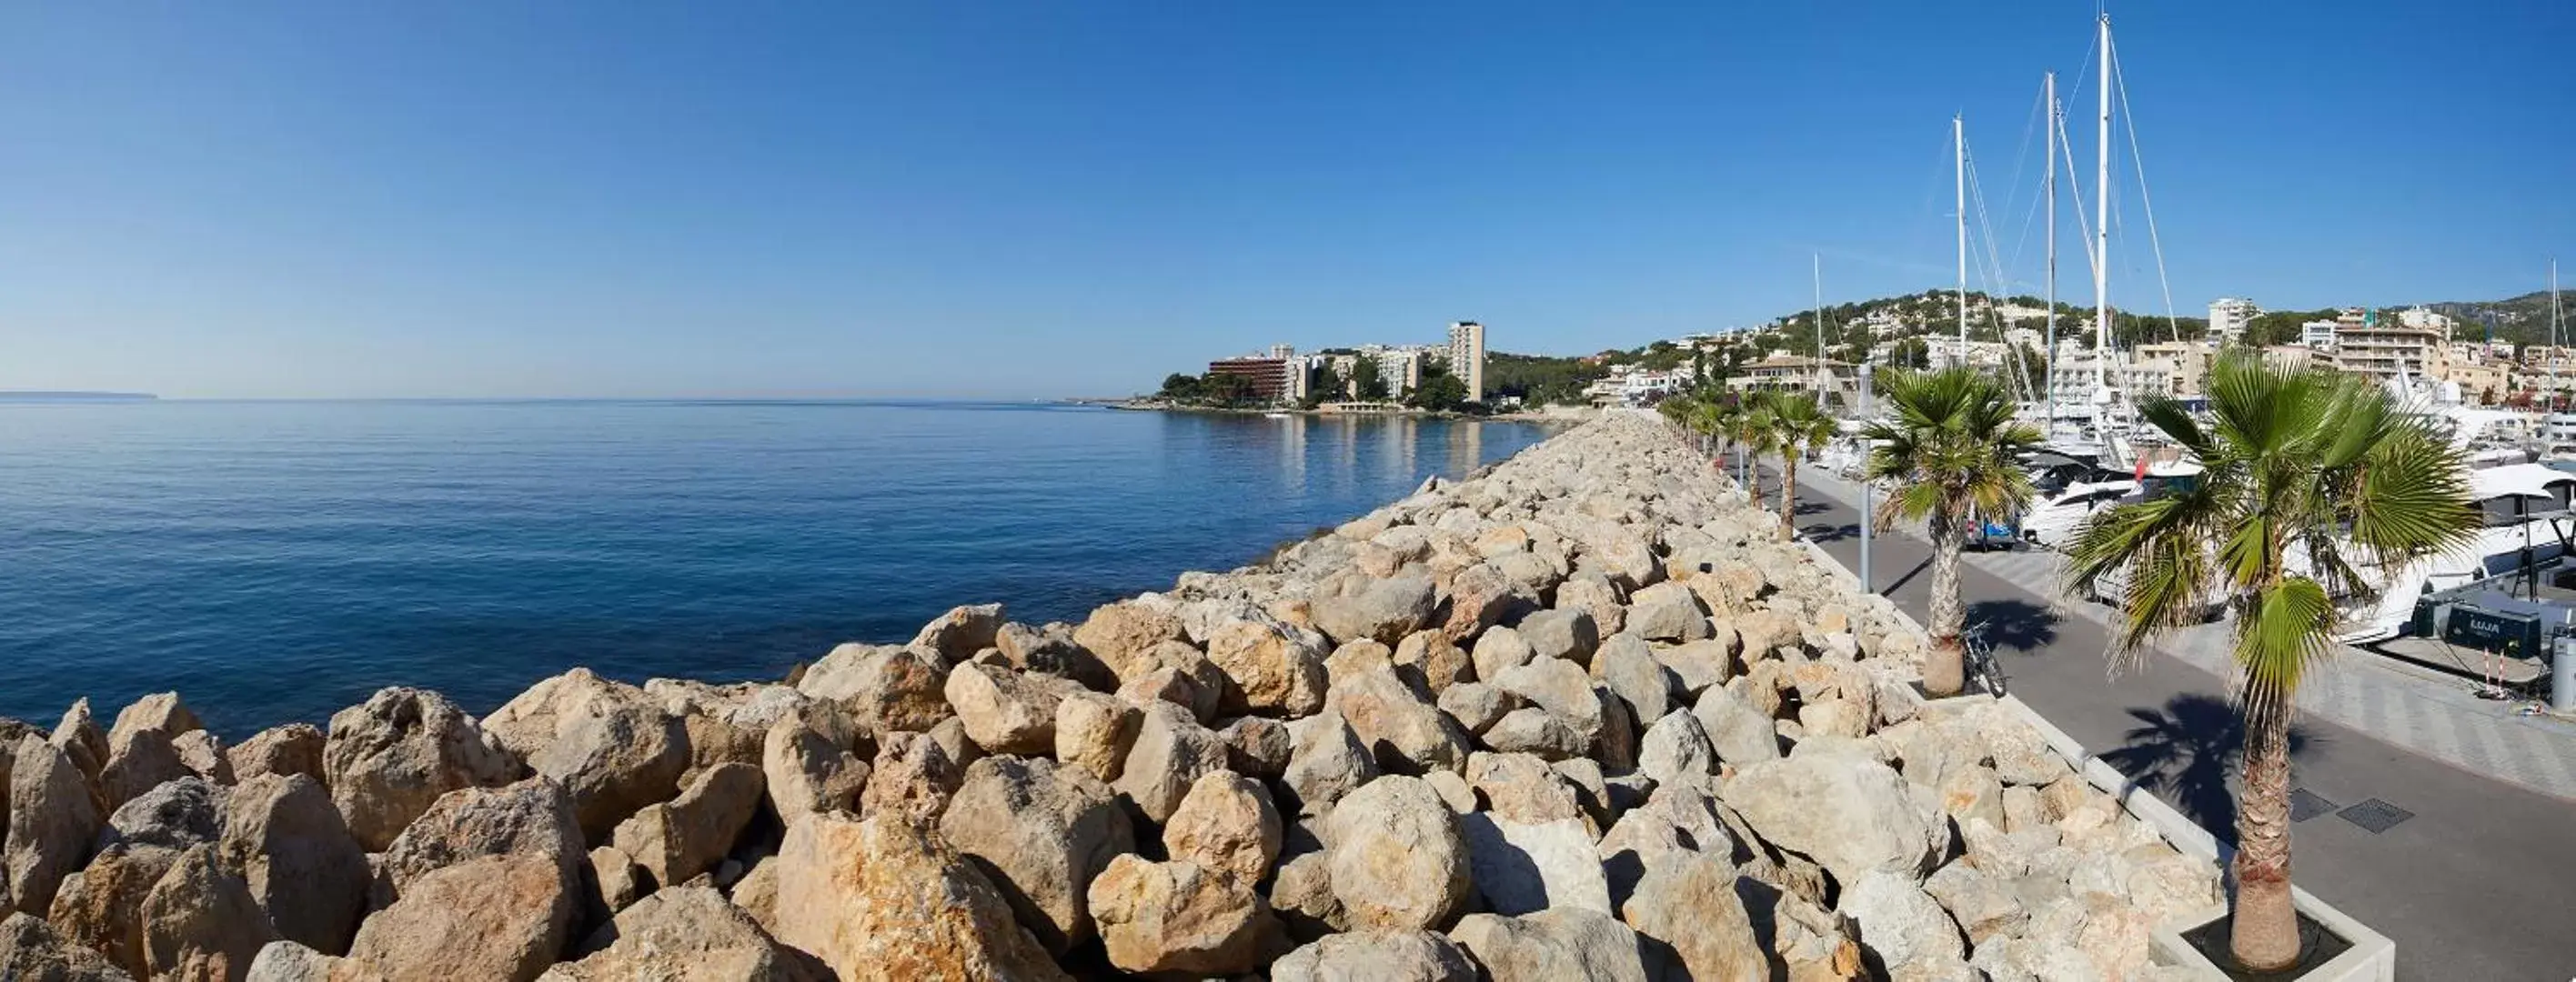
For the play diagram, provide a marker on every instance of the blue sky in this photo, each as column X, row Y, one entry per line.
column 976, row 199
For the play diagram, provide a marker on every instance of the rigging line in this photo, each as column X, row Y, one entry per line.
column 2020, row 158
column 2140, row 167
column 1992, row 268
column 2066, row 152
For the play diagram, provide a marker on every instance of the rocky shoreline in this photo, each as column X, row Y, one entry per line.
column 1582, row 715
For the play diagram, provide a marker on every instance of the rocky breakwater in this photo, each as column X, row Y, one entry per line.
column 1581, row 716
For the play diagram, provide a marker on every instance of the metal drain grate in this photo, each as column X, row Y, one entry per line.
column 2305, row 804
column 2375, row 815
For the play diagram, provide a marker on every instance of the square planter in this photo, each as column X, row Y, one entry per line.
column 2367, row 957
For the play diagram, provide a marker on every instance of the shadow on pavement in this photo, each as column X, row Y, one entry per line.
column 1890, row 589
column 2015, row 625
column 1821, row 533
column 1812, row 507
column 2187, row 752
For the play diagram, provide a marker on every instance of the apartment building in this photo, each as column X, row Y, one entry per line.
column 2379, row 348
column 1467, row 357
column 2228, row 317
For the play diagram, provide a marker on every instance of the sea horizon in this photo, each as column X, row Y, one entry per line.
column 274, row 560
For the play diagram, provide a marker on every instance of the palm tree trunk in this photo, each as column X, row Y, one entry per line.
column 1943, row 671
column 1788, row 494
column 2264, row 929
column 1752, row 476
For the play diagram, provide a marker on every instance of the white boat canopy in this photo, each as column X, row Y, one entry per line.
column 2516, row 481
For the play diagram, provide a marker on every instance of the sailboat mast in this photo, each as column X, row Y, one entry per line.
column 2050, row 339
column 1818, row 260
column 2102, row 224
column 1959, row 150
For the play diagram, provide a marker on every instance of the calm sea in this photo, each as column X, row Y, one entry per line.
column 275, row 561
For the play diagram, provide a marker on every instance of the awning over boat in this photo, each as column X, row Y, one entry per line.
column 2516, row 481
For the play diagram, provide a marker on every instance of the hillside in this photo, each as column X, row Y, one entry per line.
column 1853, row 328
column 2521, row 320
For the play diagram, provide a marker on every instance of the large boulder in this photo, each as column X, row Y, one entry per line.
column 886, row 689
column 54, row 822
column 182, row 813
column 1739, row 731
column 807, row 769
column 297, row 857
column 1396, row 855
column 1676, row 749
column 1006, row 711
column 1567, row 945
column 1170, row 753
column 1094, row 731
column 1400, row 726
column 1500, row 648
column 160, row 713
column 612, row 746
column 1376, row 956
column 1688, row 903
column 1666, row 612
column 1226, row 825
column 101, row 907
column 498, row 917
column 913, row 775
column 32, row 950
column 138, row 760
column 1118, row 632
column 1567, row 634
column 681, row 933
column 1846, row 810
column 1630, row 672
column 961, row 632
column 881, row 900
column 1900, row 922
column 286, row 961
column 725, row 723
column 295, row 748
column 1269, row 667
column 81, row 739
column 1044, row 831
column 386, row 760
column 529, row 818
column 200, row 921
column 1525, row 867
column 1177, row 917
column 1383, row 610
column 1325, row 761
column 681, row 838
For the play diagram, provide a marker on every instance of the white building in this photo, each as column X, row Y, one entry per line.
column 2228, row 317
column 2424, row 319
column 1467, row 357
column 2317, row 334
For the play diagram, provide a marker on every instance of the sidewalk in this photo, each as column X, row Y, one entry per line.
column 2466, row 866
column 2429, row 712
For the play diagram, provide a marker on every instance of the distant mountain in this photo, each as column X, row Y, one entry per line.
column 29, row 395
column 2521, row 320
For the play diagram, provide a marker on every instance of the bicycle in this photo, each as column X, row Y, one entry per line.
column 1979, row 655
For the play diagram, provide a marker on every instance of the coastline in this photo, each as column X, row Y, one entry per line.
column 1585, row 693
column 1551, row 415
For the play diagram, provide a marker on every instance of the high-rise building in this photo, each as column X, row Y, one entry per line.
column 2228, row 317
column 1467, row 357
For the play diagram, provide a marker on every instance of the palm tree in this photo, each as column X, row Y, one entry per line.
column 1949, row 446
column 2308, row 478
column 1802, row 426
column 1753, row 436
column 1711, row 416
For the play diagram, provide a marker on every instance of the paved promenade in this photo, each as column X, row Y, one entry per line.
column 2441, row 823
